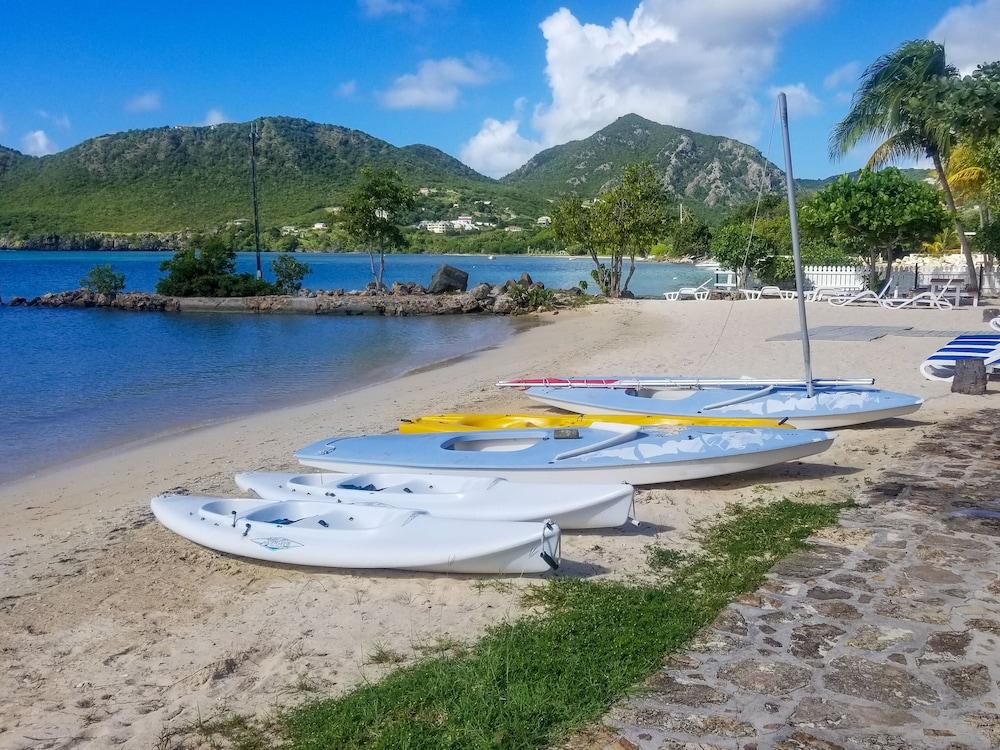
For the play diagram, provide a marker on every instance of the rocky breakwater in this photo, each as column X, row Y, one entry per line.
column 447, row 294
column 87, row 298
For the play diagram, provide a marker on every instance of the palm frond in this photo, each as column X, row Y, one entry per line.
column 894, row 95
column 905, row 145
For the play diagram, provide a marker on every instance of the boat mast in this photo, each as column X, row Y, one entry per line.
column 796, row 251
column 253, row 189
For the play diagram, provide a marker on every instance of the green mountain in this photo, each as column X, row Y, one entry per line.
column 9, row 158
column 171, row 178
column 701, row 169
column 917, row 175
column 166, row 180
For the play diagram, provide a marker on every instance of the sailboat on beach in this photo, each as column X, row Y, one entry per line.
column 807, row 403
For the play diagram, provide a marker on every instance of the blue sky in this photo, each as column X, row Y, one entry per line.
column 488, row 82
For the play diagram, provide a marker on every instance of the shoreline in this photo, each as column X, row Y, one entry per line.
column 118, row 630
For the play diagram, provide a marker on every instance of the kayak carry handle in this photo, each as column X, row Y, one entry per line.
column 550, row 561
column 234, row 519
column 246, row 530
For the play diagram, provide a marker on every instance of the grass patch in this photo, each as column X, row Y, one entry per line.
column 662, row 559
column 530, row 683
column 382, row 654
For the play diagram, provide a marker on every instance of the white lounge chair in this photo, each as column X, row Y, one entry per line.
column 865, row 296
column 696, row 292
column 995, row 324
column 807, row 295
column 764, row 291
column 924, row 299
column 941, row 364
column 821, row 293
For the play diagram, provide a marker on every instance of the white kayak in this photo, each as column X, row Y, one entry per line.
column 572, row 506
column 334, row 535
column 604, row 452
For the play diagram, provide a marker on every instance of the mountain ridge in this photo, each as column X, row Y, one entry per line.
column 176, row 178
column 715, row 171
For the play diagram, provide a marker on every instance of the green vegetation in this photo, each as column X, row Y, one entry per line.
column 710, row 172
column 372, row 215
column 175, row 178
column 530, row 683
column 625, row 221
column 102, row 279
column 897, row 100
column 879, row 216
column 532, row 299
column 288, row 273
column 689, row 238
column 210, row 271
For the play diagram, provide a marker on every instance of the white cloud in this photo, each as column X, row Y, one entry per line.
column 37, row 143
column 801, row 101
column 60, row 121
column 498, row 148
column 437, row 83
column 347, row 89
column 147, row 101
column 970, row 33
column 215, row 116
column 845, row 74
column 693, row 63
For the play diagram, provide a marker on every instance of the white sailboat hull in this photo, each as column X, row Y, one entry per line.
column 680, row 467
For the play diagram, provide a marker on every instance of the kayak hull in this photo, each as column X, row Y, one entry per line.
column 572, row 506
column 329, row 535
column 639, row 456
column 829, row 409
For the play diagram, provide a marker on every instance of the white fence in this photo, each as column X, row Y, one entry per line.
column 835, row 277
column 905, row 277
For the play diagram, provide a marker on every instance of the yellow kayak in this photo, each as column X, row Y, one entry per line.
column 460, row 422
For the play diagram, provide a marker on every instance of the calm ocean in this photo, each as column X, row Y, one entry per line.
column 77, row 381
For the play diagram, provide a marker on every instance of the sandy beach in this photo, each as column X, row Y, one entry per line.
column 115, row 632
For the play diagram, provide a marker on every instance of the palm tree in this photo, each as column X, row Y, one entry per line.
column 967, row 178
column 894, row 104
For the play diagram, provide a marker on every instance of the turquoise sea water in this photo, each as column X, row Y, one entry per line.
column 76, row 381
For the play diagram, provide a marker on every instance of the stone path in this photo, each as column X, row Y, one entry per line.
column 884, row 635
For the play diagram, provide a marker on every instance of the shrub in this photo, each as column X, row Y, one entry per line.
column 102, row 279
column 210, row 272
column 776, row 269
column 531, row 298
column 288, row 273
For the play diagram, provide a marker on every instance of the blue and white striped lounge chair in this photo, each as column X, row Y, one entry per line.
column 941, row 364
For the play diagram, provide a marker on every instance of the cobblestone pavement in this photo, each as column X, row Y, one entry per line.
column 883, row 635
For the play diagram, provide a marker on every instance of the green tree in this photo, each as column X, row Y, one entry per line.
column 879, row 215
column 742, row 247
column 691, row 237
column 896, row 102
column 102, row 279
column 623, row 222
column 209, row 272
column 372, row 214
column 288, row 273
